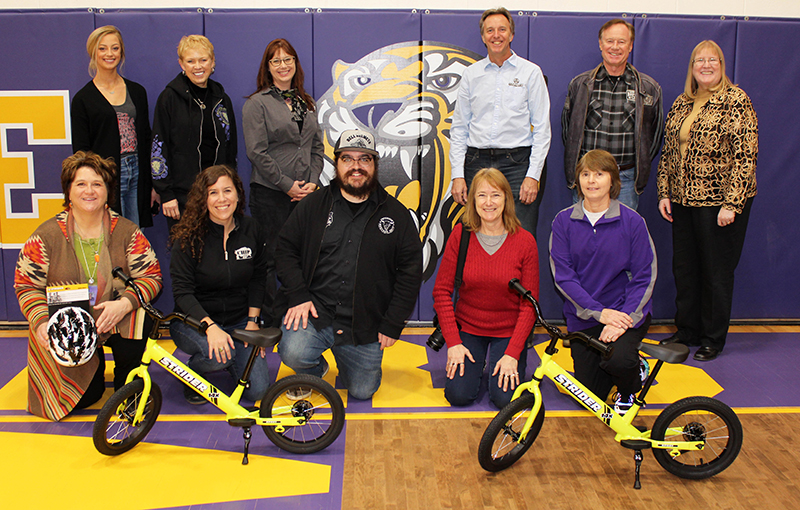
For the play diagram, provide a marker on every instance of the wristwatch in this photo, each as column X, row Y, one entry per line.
column 254, row 319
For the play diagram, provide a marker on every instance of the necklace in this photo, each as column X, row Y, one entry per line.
column 200, row 102
column 96, row 249
column 109, row 89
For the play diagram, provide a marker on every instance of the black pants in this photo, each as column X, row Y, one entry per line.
column 127, row 356
column 704, row 258
column 622, row 368
column 271, row 208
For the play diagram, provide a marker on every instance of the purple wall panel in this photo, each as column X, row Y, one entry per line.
column 768, row 68
column 562, row 44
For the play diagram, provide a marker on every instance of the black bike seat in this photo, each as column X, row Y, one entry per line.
column 266, row 337
column 670, row 353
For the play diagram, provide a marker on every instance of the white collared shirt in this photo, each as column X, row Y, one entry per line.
column 497, row 107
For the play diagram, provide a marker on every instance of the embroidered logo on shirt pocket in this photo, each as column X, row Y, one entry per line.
column 243, row 253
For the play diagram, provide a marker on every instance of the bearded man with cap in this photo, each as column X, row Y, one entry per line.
column 349, row 260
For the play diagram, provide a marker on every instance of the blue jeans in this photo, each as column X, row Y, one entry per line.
column 514, row 165
column 359, row 365
column 195, row 344
column 627, row 193
column 129, row 187
column 463, row 390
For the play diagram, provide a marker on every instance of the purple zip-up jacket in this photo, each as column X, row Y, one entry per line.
column 609, row 265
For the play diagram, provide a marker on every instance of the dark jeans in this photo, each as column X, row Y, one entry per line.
column 271, row 208
column 194, row 343
column 622, row 368
column 513, row 163
column 127, row 356
column 704, row 258
column 463, row 390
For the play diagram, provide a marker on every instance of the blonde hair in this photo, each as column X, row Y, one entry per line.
column 690, row 89
column 93, row 42
column 496, row 179
column 189, row 42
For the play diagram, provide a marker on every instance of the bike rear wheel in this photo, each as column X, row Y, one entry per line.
column 500, row 447
column 114, row 431
column 314, row 399
column 698, row 419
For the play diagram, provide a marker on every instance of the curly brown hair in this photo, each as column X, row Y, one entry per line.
column 191, row 230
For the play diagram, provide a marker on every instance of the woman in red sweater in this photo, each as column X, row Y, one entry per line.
column 487, row 316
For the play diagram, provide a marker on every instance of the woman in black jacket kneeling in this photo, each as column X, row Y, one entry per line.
column 218, row 270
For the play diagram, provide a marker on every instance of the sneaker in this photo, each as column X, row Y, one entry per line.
column 193, row 397
column 298, row 393
column 301, row 393
column 644, row 369
column 623, row 403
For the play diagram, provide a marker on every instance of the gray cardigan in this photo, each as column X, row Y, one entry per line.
column 279, row 152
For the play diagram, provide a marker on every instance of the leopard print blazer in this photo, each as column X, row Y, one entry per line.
column 720, row 164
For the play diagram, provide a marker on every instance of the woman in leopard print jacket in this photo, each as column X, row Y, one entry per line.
column 706, row 185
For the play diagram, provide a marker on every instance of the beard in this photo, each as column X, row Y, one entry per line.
column 364, row 190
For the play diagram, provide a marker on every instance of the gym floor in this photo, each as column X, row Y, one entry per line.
column 407, row 448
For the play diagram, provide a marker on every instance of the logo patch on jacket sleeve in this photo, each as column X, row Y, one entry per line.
column 386, row 225
column 244, row 253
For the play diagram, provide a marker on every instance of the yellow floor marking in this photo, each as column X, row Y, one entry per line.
column 405, row 385
column 149, row 476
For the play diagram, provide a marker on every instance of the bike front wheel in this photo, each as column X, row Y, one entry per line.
column 114, row 431
column 698, row 419
column 306, row 396
column 500, row 446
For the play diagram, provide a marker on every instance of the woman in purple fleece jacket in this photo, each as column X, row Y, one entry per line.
column 604, row 265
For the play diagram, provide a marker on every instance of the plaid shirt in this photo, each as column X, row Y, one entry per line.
column 610, row 118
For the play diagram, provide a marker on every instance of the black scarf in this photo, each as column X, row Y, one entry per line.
column 298, row 104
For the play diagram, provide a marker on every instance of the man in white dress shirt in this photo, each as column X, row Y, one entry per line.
column 501, row 120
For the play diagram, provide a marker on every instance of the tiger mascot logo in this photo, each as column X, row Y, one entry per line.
column 404, row 94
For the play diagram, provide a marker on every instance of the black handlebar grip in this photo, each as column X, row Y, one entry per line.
column 517, row 287
column 196, row 324
column 120, row 273
column 604, row 348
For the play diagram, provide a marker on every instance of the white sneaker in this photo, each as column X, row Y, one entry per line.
column 623, row 404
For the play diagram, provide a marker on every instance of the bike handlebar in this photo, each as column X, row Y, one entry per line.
column 604, row 348
column 118, row 272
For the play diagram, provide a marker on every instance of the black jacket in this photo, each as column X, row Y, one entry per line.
column 95, row 128
column 223, row 283
column 177, row 135
column 388, row 269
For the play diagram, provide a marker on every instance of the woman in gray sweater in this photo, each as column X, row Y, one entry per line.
column 284, row 145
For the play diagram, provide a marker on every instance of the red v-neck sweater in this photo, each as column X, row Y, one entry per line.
column 486, row 306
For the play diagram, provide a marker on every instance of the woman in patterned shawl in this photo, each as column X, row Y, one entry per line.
column 81, row 245
column 706, row 185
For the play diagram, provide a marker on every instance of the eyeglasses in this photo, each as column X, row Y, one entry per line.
column 349, row 161
column 701, row 61
column 275, row 62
